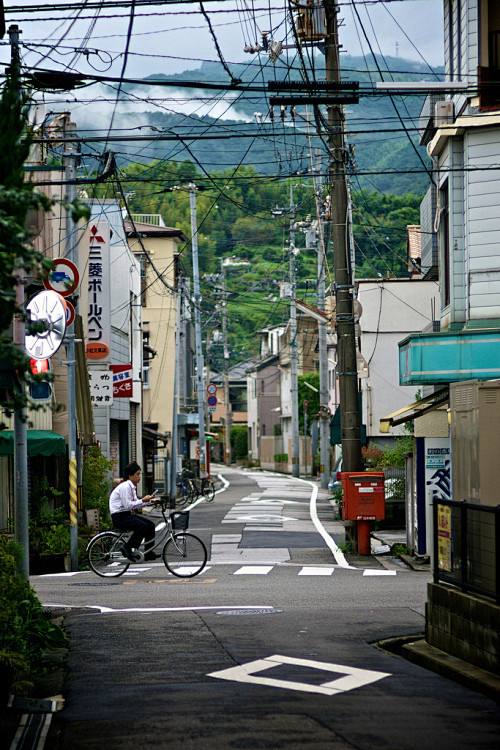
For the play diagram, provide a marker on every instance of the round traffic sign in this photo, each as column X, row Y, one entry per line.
column 64, row 277
column 70, row 313
column 212, row 388
column 212, row 400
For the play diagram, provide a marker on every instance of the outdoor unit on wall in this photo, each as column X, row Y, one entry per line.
column 475, row 439
column 444, row 113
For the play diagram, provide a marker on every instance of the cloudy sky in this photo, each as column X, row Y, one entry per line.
column 172, row 38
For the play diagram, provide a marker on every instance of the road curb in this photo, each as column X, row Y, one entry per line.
column 475, row 678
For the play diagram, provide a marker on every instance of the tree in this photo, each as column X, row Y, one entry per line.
column 18, row 201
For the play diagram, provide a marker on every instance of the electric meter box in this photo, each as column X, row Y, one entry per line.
column 363, row 495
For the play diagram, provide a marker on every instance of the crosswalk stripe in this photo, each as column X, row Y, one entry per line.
column 261, row 570
column 312, row 571
column 370, row 572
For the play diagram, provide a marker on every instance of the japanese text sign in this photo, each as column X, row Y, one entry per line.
column 99, row 304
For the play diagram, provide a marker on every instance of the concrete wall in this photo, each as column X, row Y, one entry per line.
column 464, row 626
column 392, row 309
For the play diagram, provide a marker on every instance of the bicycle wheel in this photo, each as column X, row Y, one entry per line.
column 208, row 489
column 185, row 555
column 104, row 557
column 181, row 496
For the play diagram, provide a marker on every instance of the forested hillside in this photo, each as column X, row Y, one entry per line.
column 383, row 129
column 236, row 216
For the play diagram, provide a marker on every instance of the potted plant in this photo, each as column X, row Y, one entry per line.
column 49, row 544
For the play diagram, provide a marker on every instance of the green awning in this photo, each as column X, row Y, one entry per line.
column 40, row 443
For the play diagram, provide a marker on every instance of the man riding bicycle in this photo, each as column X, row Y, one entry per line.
column 122, row 501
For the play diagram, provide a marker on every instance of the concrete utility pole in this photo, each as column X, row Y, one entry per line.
column 293, row 346
column 175, row 414
column 324, row 424
column 21, row 533
column 70, row 157
column 227, row 403
column 197, row 330
column 344, row 287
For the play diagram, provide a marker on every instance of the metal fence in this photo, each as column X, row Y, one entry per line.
column 467, row 546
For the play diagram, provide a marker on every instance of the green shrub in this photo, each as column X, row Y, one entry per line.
column 239, row 441
column 281, row 458
column 25, row 630
column 96, row 483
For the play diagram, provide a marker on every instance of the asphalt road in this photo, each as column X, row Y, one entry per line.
column 272, row 646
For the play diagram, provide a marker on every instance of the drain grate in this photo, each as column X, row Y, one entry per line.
column 97, row 583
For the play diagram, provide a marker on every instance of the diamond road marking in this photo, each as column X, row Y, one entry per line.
column 311, row 571
column 259, row 570
column 379, row 572
column 351, row 678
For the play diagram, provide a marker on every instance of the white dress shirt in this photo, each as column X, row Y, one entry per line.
column 124, row 497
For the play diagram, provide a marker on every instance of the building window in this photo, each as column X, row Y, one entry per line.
column 144, row 282
column 444, row 241
column 146, row 360
column 488, row 72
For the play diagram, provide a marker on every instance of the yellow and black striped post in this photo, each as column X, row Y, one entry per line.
column 73, row 519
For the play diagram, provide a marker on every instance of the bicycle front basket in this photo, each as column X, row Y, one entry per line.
column 180, row 520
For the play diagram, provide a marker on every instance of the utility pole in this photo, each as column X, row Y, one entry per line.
column 21, row 532
column 197, row 329
column 175, row 414
column 324, row 423
column 72, row 254
column 344, row 287
column 227, row 404
column 293, row 346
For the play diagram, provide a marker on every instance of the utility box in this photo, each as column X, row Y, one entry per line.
column 363, row 495
column 475, row 440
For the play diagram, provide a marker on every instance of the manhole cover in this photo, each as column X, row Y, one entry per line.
column 269, row 611
column 98, row 583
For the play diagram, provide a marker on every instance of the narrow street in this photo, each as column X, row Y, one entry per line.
column 272, row 646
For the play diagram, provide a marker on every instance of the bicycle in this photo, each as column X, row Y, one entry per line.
column 204, row 488
column 183, row 553
column 184, row 491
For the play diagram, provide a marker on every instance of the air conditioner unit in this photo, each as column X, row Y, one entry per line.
column 444, row 113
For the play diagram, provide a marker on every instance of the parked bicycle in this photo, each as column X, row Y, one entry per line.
column 190, row 489
column 183, row 553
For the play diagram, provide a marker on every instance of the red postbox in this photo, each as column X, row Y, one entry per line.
column 363, row 500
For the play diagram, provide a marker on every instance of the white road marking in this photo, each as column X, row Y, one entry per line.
column 371, row 572
column 259, row 570
column 141, row 610
column 312, row 571
column 59, row 575
column 352, row 676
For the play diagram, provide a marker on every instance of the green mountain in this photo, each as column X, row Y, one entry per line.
column 382, row 129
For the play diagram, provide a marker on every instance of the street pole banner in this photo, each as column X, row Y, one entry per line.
column 122, row 381
column 99, row 293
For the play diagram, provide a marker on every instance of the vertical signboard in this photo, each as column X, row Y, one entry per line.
column 122, row 381
column 99, row 304
column 444, row 537
column 101, row 387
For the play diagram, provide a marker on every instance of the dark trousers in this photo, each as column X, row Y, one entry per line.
column 143, row 528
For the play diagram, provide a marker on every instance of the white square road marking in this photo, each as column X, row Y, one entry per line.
column 351, row 677
column 370, row 572
column 311, row 571
column 258, row 570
